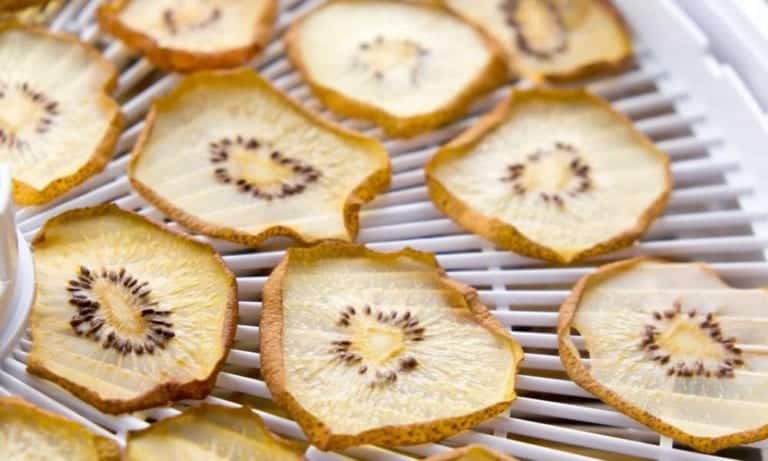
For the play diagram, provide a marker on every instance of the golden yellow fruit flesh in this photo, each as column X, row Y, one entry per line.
column 412, row 67
column 554, row 174
column 381, row 348
column 556, row 39
column 57, row 124
column 674, row 347
column 211, row 433
column 229, row 156
column 28, row 433
column 471, row 453
column 128, row 315
column 187, row 35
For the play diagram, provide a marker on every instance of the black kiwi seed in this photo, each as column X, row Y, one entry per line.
column 94, row 324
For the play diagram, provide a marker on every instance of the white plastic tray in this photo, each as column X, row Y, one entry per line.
column 696, row 109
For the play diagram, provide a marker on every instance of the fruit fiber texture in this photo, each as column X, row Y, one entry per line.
column 29, row 433
column 674, row 347
column 413, row 67
column 365, row 347
column 211, row 433
column 128, row 315
column 228, row 155
column 553, row 174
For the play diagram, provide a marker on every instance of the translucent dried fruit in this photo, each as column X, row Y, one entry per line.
column 674, row 347
column 553, row 39
column 552, row 174
column 29, row 433
column 128, row 315
column 365, row 347
column 471, row 453
column 56, row 128
column 410, row 68
column 188, row 35
column 211, row 432
column 229, row 156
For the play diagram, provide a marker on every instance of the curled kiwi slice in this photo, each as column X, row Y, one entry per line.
column 412, row 67
column 128, row 315
column 674, row 347
column 552, row 174
column 382, row 348
column 553, row 39
column 29, row 433
column 471, row 453
column 187, row 35
column 228, row 155
column 211, row 433
column 57, row 122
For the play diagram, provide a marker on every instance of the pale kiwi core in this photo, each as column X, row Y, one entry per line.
column 678, row 343
column 370, row 343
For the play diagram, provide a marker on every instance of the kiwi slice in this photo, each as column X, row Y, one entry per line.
column 553, row 39
column 128, row 315
column 674, row 347
column 552, row 174
column 57, row 122
column 188, row 35
column 228, row 155
column 29, row 433
column 364, row 347
column 408, row 66
column 471, row 453
column 211, row 433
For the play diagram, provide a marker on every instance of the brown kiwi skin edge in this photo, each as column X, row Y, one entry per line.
column 488, row 78
column 318, row 433
column 165, row 393
column 570, row 356
column 176, row 60
column 507, row 235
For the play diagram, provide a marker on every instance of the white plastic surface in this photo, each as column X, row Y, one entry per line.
column 714, row 216
column 738, row 30
column 15, row 265
column 7, row 231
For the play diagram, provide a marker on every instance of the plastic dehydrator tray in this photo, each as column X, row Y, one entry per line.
column 695, row 110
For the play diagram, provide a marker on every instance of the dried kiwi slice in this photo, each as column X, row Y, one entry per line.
column 229, row 156
column 674, row 347
column 410, row 67
column 128, row 315
column 365, row 347
column 553, row 39
column 57, row 123
column 210, row 433
column 187, row 35
column 29, row 433
column 471, row 453
column 552, row 174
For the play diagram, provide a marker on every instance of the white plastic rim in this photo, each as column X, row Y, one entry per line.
column 693, row 108
column 12, row 325
column 16, row 271
column 7, row 228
